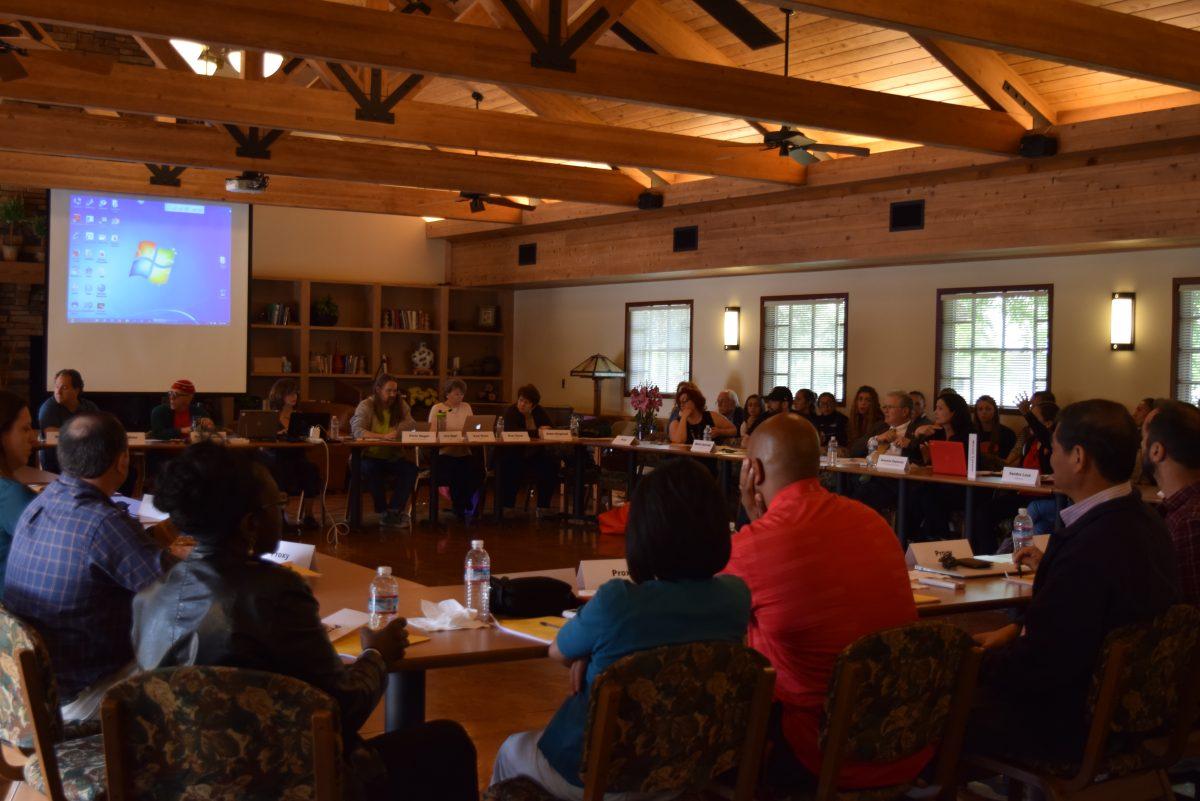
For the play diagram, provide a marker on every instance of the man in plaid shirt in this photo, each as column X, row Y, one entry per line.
column 1171, row 450
column 78, row 559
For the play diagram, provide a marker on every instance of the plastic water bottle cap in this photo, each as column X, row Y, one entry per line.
column 384, row 571
column 477, row 545
column 1022, row 511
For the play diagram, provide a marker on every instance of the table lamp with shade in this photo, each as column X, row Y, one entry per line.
column 597, row 368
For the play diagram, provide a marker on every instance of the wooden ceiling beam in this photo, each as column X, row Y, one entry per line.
column 76, row 80
column 1062, row 31
column 992, row 80
column 63, row 133
column 162, row 53
column 316, row 29
column 27, row 169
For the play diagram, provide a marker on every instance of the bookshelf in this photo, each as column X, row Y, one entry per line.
column 375, row 321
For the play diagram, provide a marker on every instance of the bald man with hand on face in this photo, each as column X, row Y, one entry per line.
column 823, row 571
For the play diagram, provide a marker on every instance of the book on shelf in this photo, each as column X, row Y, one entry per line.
column 336, row 363
column 406, row 319
column 278, row 314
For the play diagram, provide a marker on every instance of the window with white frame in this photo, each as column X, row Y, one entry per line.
column 1186, row 342
column 804, row 344
column 658, row 344
column 994, row 342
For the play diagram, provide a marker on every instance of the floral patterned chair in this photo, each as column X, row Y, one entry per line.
column 671, row 719
column 1143, row 703
column 894, row 693
column 61, row 764
column 220, row 733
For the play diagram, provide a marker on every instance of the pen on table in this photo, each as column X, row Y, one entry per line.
column 551, row 625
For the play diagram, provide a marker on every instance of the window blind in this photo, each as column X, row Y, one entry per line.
column 804, row 345
column 1187, row 344
column 660, row 345
column 995, row 343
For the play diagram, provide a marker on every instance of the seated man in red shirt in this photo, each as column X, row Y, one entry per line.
column 823, row 571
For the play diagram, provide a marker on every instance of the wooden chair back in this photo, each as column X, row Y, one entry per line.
column 895, row 693
column 1147, row 685
column 247, row 733
column 30, row 718
column 676, row 717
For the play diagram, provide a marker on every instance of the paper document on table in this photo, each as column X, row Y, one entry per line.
column 351, row 644
column 343, row 622
column 542, row 629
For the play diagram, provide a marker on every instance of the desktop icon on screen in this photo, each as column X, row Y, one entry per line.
column 152, row 262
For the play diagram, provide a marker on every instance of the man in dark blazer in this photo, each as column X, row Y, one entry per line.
column 1109, row 565
column 893, row 435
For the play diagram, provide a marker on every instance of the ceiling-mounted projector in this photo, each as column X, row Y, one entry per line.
column 248, row 183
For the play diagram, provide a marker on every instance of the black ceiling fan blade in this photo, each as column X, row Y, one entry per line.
column 845, row 150
column 739, row 21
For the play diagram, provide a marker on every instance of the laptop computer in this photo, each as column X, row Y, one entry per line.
column 480, row 422
column 258, row 425
column 300, row 422
column 949, row 458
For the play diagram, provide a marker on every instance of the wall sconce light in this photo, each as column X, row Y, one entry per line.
column 733, row 327
column 1120, row 327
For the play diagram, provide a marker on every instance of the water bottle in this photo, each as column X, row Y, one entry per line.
column 384, row 599
column 335, row 428
column 708, row 433
column 440, row 422
column 1022, row 531
column 831, row 456
column 499, row 426
column 477, row 576
column 575, row 426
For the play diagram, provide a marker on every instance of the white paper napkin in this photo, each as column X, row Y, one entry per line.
column 445, row 616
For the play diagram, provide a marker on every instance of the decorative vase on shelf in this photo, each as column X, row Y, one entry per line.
column 422, row 360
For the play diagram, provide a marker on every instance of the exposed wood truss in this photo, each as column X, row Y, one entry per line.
column 74, row 80
column 316, row 29
column 31, row 130
column 25, row 169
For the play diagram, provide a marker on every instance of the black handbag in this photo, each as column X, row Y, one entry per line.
column 535, row 596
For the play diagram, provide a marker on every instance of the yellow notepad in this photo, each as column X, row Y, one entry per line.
column 542, row 629
column 350, row 645
column 925, row 599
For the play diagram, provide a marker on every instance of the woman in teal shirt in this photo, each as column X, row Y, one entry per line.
column 17, row 438
column 676, row 542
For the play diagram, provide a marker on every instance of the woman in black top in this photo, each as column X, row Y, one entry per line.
column 694, row 418
column 515, row 462
column 995, row 438
column 290, row 467
column 829, row 422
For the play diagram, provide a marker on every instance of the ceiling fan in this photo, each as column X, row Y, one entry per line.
column 479, row 201
column 795, row 144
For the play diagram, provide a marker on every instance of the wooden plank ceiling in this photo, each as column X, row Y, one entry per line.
column 825, row 49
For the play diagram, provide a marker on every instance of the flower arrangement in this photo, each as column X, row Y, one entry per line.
column 645, row 401
column 422, row 396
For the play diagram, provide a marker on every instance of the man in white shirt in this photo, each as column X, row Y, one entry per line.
column 881, row 493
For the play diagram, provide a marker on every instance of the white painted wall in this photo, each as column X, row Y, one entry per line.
column 344, row 245
column 891, row 324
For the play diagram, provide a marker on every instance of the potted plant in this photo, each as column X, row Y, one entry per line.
column 325, row 311
column 12, row 214
column 41, row 230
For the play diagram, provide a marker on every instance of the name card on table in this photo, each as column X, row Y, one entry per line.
column 298, row 553
column 514, row 436
column 625, row 440
column 419, row 437
column 892, row 464
column 557, row 435
column 480, row 437
column 594, row 572
column 703, row 446
column 452, row 437
column 133, row 437
column 1022, row 476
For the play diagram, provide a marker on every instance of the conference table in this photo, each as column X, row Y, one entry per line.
column 343, row 585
